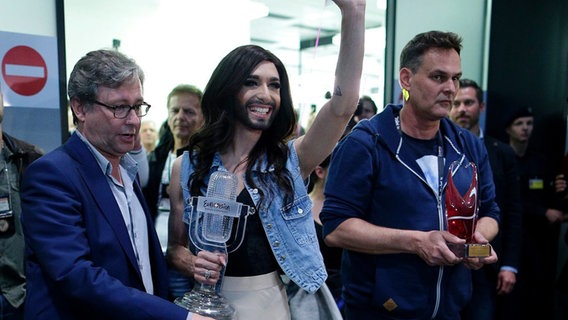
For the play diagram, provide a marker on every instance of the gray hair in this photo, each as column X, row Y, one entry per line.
column 107, row 68
column 184, row 88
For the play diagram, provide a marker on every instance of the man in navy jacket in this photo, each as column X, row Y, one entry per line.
column 384, row 197
column 91, row 248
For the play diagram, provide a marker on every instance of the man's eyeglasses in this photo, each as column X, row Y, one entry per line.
column 122, row 111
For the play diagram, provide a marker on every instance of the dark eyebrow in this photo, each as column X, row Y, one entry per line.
column 442, row 72
column 253, row 76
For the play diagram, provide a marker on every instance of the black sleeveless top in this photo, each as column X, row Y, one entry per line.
column 254, row 257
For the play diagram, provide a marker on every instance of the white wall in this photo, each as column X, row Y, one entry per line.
column 28, row 16
column 172, row 40
column 464, row 17
column 182, row 41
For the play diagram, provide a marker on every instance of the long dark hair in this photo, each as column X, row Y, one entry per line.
column 219, row 110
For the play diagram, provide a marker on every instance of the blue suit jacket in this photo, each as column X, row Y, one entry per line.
column 79, row 259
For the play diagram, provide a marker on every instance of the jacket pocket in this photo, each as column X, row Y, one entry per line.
column 298, row 209
column 298, row 219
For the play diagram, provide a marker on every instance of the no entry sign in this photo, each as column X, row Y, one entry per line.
column 24, row 70
column 29, row 71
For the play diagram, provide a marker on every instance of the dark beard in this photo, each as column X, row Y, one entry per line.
column 241, row 113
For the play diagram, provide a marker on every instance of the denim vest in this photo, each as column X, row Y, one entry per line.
column 289, row 227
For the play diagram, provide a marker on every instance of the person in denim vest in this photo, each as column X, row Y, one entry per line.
column 249, row 121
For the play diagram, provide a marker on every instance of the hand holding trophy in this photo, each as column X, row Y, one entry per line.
column 210, row 228
column 461, row 215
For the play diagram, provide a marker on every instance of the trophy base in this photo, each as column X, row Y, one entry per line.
column 207, row 303
column 471, row 250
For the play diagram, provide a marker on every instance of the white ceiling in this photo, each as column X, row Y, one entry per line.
column 190, row 34
column 292, row 25
column 290, row 22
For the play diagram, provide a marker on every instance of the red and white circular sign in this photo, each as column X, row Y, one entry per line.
column 24, row 70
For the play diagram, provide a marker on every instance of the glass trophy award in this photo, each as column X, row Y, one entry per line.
column 211, row 224
column 461, row 215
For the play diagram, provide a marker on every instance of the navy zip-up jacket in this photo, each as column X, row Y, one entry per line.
column 374, row 177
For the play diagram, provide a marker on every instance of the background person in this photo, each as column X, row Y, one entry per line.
column 368, row 107
column 560, row 185
column 15, row 156
column 326, row 303
column 331, row 256
column 542, row 215
column 493, row 283
column 184, row 119
column 148, row 135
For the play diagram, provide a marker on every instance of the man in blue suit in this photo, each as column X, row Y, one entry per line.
column 91, row 248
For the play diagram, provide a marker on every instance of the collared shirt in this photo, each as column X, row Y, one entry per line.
column 130, row 207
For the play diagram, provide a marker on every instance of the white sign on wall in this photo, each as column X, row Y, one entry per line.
column 29, row 75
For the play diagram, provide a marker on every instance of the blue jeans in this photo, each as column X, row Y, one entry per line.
column 8, row 312
column 482, row 304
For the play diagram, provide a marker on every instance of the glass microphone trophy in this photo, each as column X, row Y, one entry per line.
column 211, row 223
column 461, row 215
